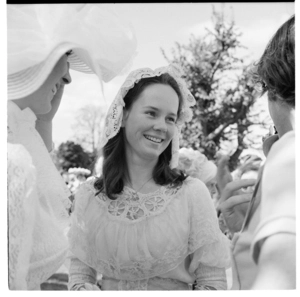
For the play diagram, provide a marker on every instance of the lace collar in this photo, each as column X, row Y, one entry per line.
column 134, row 206
column 26, row 115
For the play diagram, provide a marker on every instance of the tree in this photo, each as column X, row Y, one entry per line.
column 219, row 80
column 88, row 127
column 70, row 155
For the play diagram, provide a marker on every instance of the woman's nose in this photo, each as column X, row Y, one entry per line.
column 160, row 125
column 67, row 79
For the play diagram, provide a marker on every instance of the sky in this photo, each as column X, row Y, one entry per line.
column 160, row 25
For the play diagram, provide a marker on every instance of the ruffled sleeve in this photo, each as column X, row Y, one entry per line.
column 83, row 196
column 22, row 203
column 85, row 192
column 207, row 244
column 81, row 276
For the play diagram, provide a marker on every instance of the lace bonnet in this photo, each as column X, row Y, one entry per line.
column 39, row 35
column 114, row 115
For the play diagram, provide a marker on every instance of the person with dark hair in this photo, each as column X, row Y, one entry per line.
column 266, row 235
column 144, row 225
column 274, row 243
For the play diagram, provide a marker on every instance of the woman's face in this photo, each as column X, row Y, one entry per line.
column 40, row 101
column 150, row 122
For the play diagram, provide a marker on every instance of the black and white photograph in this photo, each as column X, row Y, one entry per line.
column 150, row 147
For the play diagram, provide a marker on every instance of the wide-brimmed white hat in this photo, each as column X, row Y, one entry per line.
column 39, row 34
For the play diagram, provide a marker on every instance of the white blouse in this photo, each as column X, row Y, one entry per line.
column 38, row 202
column 278, row 201
column 169, row 234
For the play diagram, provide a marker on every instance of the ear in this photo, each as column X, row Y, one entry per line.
column 125, row 116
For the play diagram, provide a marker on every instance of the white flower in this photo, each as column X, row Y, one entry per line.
column 79, row 171
column 196, row 165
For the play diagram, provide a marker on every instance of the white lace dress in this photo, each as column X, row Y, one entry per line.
column 38, row 221
column 164, row 240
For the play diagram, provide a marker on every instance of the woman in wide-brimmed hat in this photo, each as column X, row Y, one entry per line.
column 44, row 41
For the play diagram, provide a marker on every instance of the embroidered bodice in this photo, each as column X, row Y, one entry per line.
column 137, row 206
column 167, row 233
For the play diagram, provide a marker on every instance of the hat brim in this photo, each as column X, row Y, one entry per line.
column 25, row 82
column 101, row 43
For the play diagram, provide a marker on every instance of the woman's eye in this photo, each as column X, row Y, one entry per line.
column 173, row 120
column 151, row 113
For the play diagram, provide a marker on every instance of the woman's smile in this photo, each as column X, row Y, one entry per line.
column 153, row 138
column 54, row 90
column 150, row 123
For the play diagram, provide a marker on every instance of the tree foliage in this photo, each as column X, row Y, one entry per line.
column 219, row 80
column 70, row 155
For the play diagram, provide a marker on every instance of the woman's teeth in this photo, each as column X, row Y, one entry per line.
column 154, row 139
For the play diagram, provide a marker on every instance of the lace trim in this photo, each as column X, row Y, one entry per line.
column 142, row 268
column 115, row 113
column 49, row 216
column 21, row 129
column 133, row 206
column 21, row 200
column 144, row 265
column 139, row 285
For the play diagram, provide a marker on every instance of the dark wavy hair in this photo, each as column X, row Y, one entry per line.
column 115, row 171
column 275, row 71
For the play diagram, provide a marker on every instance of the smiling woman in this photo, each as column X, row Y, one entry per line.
column 144, row 225
column 41, row 49
column 156, row 109
column 40, row 100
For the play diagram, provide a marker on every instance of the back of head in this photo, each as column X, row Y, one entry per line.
column 276, row 68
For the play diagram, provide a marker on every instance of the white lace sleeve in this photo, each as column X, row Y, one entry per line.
column 207, row 245
column 76, row 234
column 81, row 276
column 22, row 201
